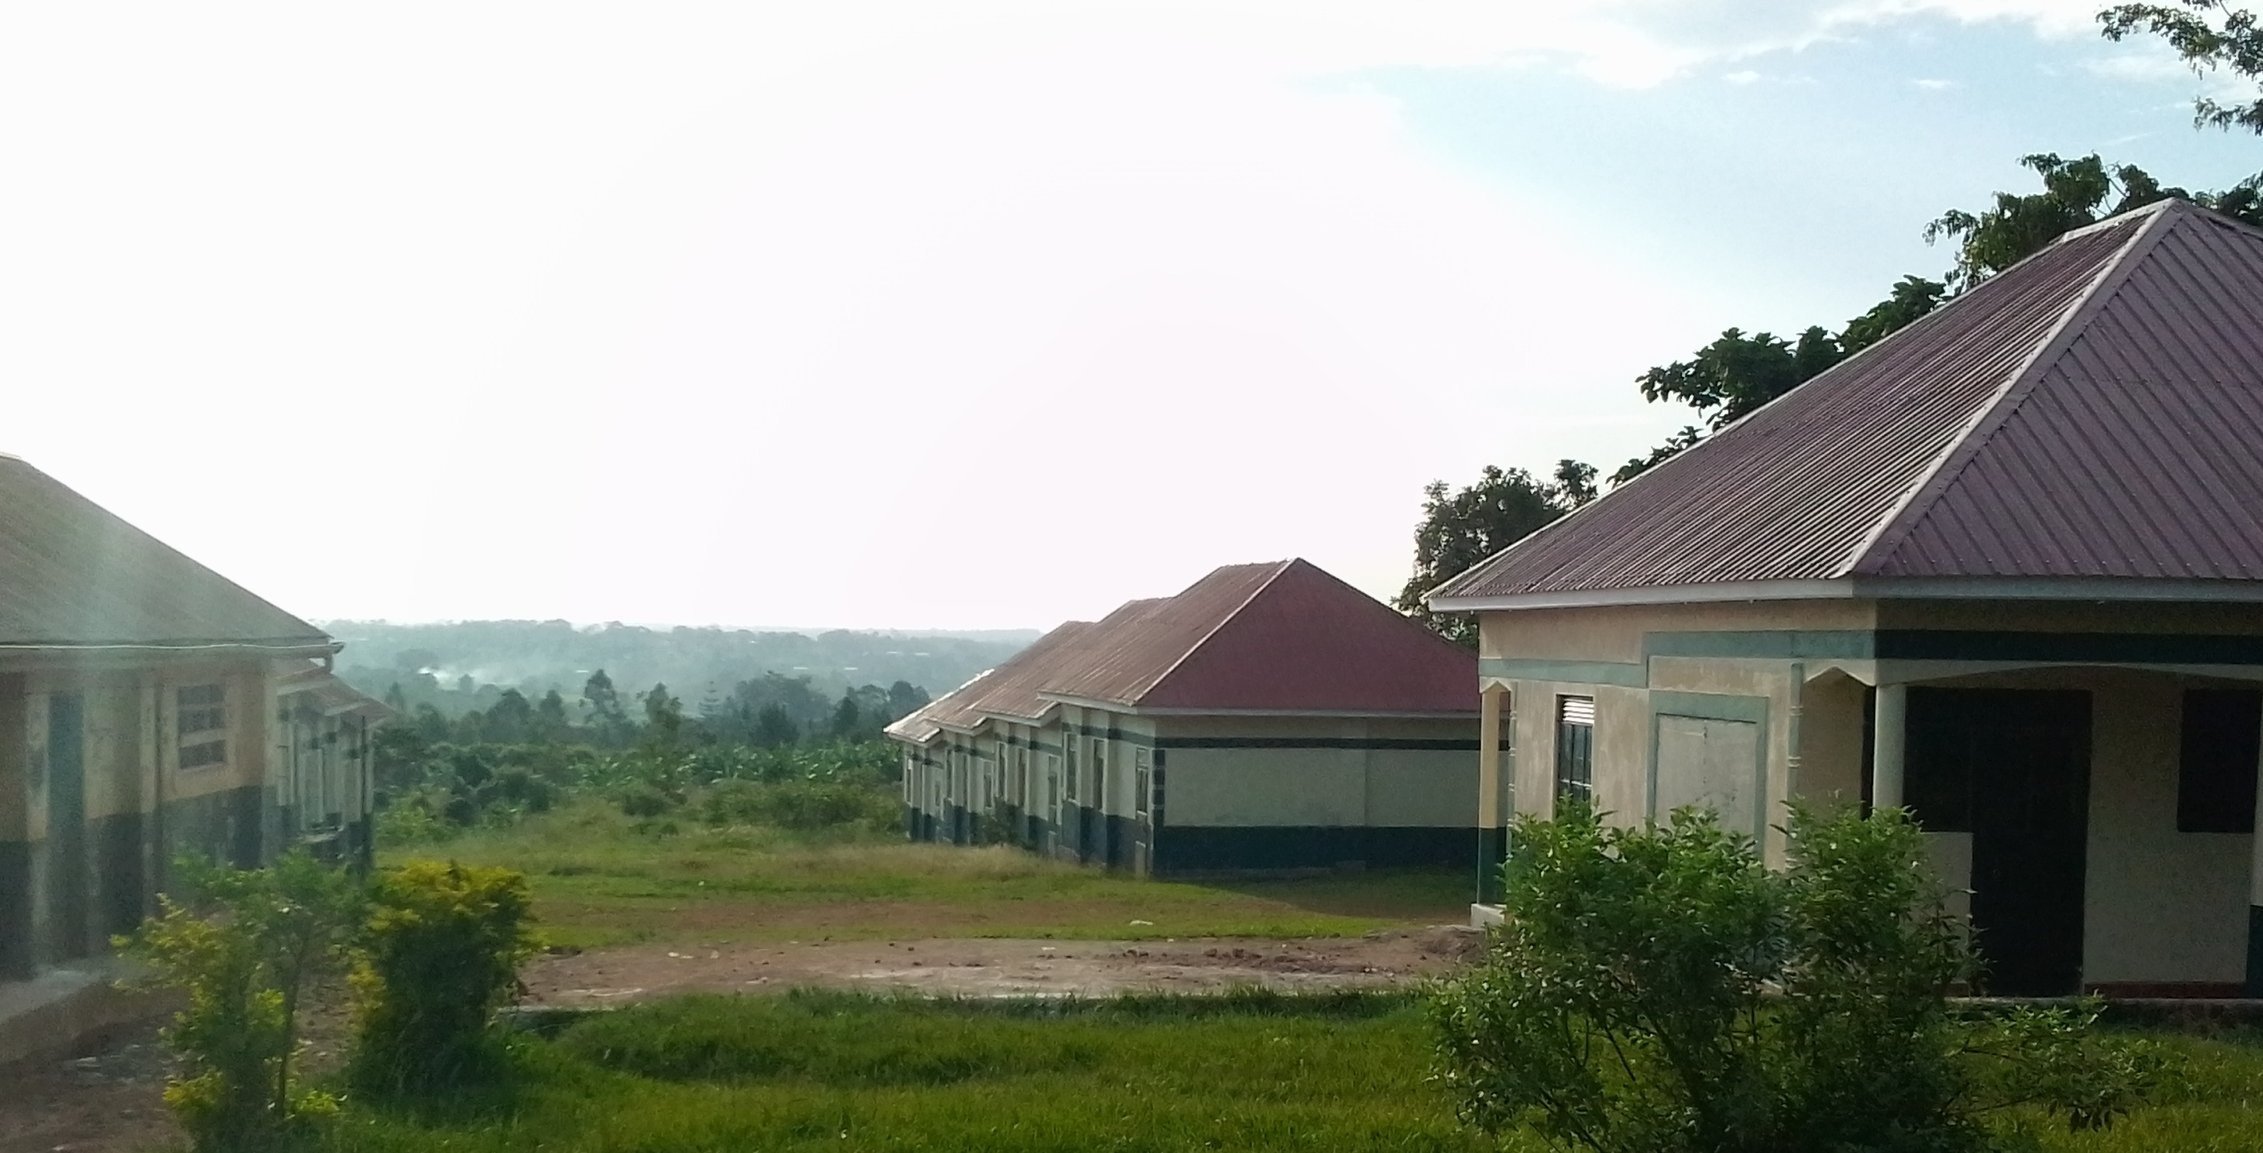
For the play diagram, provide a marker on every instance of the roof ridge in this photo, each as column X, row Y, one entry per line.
column 1965, row 444
column 1279, row 567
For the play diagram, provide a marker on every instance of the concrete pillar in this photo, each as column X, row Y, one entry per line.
column 1491, row 842
column 2255, row 898
column 1889, row 738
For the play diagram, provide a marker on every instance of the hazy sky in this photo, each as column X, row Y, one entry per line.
column 862, row 315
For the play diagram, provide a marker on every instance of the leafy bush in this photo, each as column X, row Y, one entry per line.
column 1657, row 989
column 244, row 948
column 800, row 806
column 440, row 955
column 644, row 801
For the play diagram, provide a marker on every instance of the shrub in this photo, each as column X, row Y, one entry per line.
column 800, row 806
column 644, row 801
column 410, row 822
column 244, row 948
column 1658, row 989
column 440, row 955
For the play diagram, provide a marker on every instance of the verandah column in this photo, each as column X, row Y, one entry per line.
column 1490, row 845
column 2255, row 897
column 1889, row 736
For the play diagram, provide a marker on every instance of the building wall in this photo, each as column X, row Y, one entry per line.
column 1226, row 793
column 64, row 890
column 2161, row 907
column 1281, row 792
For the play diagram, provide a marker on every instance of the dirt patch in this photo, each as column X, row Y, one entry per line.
column 109, row 1101
column 1001, row 967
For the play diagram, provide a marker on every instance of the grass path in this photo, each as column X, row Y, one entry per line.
column 601, row 879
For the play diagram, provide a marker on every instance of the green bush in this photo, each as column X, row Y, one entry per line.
column 800, row 806
column 245, row 947
column 440, row 955
column 644, row 801
column 1658, row 989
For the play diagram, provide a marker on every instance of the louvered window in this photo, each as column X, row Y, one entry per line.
column 201, row 725
column 1575, row 747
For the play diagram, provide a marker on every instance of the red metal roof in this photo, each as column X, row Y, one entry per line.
column 1276, row 637
column 2087, row 413
column 74, row 575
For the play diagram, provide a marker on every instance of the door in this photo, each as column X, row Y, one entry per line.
column 68, row 893
column 2012, row 768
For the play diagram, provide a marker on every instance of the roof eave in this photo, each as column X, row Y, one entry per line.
column 1985, row 588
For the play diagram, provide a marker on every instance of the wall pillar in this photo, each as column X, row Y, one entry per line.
column 2255, row 898
column 1889, row 738
column 1492, row 842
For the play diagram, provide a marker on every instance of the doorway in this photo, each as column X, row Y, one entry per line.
column 2011, row 768
column 67, row 889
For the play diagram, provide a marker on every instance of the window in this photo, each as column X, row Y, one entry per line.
column 201, row 725
column 2216, row 760
column 1069, row 782
column 1100, row 772
column 1575, row 747
column 1021, row 776
column 1142, row 779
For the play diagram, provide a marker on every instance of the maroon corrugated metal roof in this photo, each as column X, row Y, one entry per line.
column 2085, row 413
column 74, row 575
column 1277, row 637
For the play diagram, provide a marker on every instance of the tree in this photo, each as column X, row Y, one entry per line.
column 550, row 716
column 663, row 717
column 2211, row 35
column 1638, row 465
column 1459, row 529
column 1738, row 373
column 397, row 700
column 510, row 720
column 604, row 704
column 1911, row 299
column 2020, row 225
column 904, row 699
column 846, row 717
column 774, row 726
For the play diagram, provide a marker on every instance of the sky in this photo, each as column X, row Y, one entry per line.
column 885, row 316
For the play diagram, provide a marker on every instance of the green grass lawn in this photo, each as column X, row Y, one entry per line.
column 1341, row 1072
column 601, row 878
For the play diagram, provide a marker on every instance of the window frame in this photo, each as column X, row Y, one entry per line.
column 204, row 747
column 1575, row 749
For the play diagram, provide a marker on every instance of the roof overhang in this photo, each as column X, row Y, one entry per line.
column 1876, row 588
column 132, row 653
column 1170, row 711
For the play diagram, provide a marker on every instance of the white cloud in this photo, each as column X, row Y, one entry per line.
column 1931, row 84
column 1741, row 76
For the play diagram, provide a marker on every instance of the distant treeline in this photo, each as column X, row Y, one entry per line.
column 769, row 711
column 467, row 666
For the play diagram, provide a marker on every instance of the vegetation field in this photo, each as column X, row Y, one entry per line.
column 1341, row 1072
column 603, row 878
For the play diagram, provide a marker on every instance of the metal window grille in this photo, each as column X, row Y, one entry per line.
column 1575, row 747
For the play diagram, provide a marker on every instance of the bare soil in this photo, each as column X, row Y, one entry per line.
column 108, row 1100
column 998, row 968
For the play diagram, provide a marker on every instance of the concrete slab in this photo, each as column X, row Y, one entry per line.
column 63, row 1009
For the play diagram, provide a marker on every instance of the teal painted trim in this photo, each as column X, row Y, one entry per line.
column 1111, row 733
column 1715, row 707
column 1710, row 706
column 1781, row 644
column 1619, row 673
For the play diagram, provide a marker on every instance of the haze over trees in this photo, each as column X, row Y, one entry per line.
column 459, row 667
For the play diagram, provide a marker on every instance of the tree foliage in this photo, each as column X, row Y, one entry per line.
column 440, row 955
column 1462, row 527
column 244, row 947
column 1657, row 988
column 2211, row 36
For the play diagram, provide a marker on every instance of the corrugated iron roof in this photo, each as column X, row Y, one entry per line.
column 2087, row 413
column 1282, row 636
column 74, row 575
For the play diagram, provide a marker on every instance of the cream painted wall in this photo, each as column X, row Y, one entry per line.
column 1276, row 787
column 1614, row 633
column 1831, row 737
